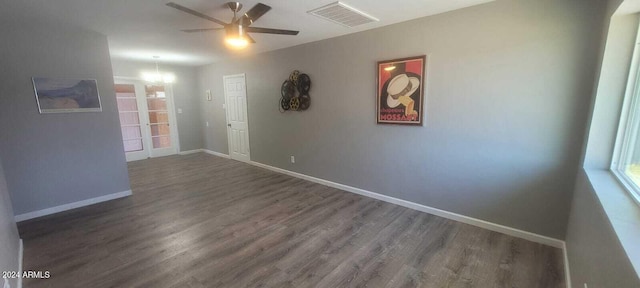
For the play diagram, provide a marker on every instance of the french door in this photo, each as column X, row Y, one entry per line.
column 147, row 120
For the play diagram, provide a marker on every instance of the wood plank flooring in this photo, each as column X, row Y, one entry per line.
column 203, row 221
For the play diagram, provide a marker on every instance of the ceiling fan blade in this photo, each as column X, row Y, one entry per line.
column 195, row 13
column 201, row 30
column 254, row 13
column 249, row 38
column 271, row 31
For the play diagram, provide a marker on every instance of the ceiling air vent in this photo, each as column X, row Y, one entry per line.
column 343, row 14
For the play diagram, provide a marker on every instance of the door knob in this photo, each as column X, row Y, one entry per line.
column 229, row 124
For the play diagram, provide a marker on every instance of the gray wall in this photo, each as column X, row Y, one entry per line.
column 9, row 240
column 55, row 159
column 509, row 84
column 594, row 252
column 185, row 97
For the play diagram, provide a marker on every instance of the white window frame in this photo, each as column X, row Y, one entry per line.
column 627, row 135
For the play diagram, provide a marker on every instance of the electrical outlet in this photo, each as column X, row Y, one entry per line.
column 207, row 123
column 6, row 283
column 293, row 159
column 179, row 110
column 224, row 106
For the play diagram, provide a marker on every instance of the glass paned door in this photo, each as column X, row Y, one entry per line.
column 130, row 124
column 158, row 116
column 159, row 111
column 146, row 119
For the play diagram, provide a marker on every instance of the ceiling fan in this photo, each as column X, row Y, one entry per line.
column 237, row 29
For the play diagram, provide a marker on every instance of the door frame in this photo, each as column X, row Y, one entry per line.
column 143, row 109
column 226, row 113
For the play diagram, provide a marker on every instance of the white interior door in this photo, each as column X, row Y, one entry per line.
column 147, row 119
column 235, row 91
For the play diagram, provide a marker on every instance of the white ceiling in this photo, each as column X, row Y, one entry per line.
column 628, row 7
column 140, row 29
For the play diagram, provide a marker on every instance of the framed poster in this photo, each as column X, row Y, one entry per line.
column 400, row 89
column 55, row 95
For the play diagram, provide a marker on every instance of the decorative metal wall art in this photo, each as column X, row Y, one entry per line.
column 295, row 92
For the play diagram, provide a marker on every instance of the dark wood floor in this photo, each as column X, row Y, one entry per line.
column 204, row 221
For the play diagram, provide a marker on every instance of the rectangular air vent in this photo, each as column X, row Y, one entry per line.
column 343, row 14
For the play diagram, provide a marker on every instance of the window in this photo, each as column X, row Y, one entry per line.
column 626, row 158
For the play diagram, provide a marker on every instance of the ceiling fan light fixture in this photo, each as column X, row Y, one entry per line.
column 237, row 30
column 237, row 42
column 236, row 37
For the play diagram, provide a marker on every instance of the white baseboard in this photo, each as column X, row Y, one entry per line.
column 190, row 151
column 69, row 206
column 20, row 257
column 567, row 272
column 216, row 153
column 415, row 206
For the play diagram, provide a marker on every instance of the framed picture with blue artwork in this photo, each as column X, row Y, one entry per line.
column 59, row 95
column 400, row 90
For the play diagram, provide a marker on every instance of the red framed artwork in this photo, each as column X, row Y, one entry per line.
column 400, row 89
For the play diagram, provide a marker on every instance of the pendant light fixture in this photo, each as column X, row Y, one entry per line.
column 156, row 76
